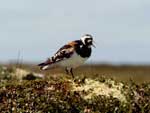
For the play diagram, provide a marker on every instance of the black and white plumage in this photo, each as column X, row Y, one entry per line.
column 71, row 55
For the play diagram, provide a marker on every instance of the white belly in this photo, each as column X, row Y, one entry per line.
column 73, row 62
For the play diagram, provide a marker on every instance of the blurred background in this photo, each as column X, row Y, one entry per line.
column 32, row 30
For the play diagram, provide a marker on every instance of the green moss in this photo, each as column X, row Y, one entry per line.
column 56, row 96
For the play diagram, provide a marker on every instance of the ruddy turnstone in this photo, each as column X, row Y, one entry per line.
column 71, row 55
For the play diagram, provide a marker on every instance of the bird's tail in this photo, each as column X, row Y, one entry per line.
column 45, row 65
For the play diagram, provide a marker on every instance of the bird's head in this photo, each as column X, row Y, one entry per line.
column 87, row 40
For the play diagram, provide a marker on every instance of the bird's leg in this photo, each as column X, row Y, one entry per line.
column 71, row 71
column 67, row 72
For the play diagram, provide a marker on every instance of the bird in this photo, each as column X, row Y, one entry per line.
column 71, row 55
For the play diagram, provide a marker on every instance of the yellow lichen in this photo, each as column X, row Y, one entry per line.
column 96, row 88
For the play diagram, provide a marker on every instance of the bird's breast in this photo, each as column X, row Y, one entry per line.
column 83, row 51
column 74, row 61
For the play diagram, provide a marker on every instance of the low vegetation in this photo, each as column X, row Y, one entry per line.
column 23, row 90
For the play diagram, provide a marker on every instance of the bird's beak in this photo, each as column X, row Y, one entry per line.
column 94, row 44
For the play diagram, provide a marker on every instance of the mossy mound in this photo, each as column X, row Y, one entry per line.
column 74, row 96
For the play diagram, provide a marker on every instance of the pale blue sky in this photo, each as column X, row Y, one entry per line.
column 38, row 28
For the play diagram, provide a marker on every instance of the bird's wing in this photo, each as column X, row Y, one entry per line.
column 65, row 52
